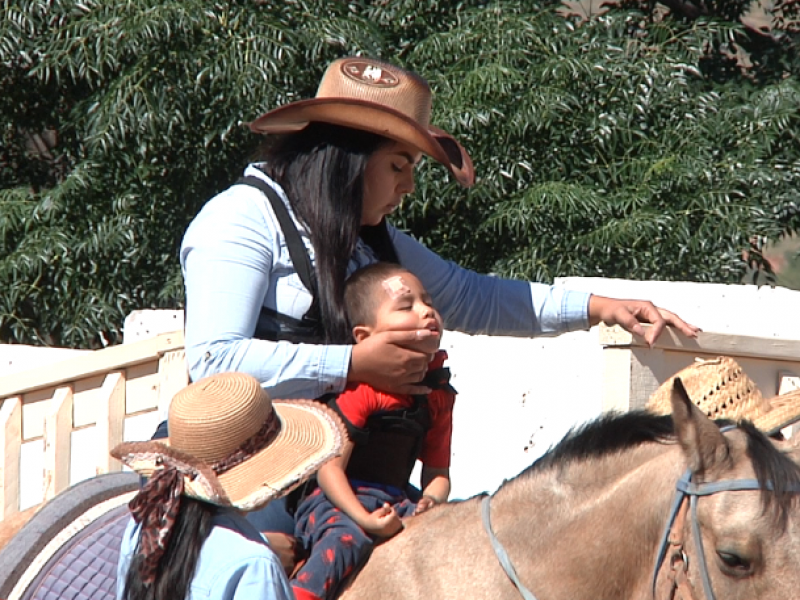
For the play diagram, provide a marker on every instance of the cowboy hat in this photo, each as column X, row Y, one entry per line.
column 371, row 95
column 721, row 389
column 233, row 446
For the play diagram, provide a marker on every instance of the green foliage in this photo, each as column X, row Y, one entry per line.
column 624, row 147
column 605, row 149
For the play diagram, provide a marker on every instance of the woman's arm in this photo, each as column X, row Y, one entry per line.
column 480, row 304
column 227, row 260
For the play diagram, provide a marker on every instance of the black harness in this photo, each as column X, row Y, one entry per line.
column 275, row 326
column 389, row 444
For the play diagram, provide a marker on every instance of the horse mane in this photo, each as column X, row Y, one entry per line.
column 609, row 433
column 616, row 432
column 772, row 465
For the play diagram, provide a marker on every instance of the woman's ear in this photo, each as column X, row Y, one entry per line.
column 361, row 332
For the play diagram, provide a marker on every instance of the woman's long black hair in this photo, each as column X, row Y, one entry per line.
column 321, row 169
column 176, row 568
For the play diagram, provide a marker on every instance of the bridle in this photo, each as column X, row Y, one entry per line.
column 672, row 539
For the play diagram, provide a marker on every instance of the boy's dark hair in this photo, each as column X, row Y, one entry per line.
column 360, row 300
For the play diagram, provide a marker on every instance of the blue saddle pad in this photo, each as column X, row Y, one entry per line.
column 85, row 567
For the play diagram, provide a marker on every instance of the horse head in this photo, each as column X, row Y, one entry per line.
column 734, row 527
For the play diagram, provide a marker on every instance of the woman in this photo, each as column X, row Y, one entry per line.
column 265, row 261
column 230, row 450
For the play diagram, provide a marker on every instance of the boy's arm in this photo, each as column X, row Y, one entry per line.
column 435, row 488
column 333, row 481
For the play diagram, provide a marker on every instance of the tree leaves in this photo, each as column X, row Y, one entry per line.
column 626, row 147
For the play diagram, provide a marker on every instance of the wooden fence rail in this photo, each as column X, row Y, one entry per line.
column 89, row 402
column 633, row 371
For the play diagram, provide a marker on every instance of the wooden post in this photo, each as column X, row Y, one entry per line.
column 10, row 443
column 110, row 421
column 57, row 436
column 173, row 377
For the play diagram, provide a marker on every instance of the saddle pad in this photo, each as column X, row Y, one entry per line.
column 85, row 567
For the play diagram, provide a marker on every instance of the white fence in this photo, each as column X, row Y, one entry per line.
column 517, row 396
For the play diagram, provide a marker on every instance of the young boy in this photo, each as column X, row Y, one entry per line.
column 361, row 495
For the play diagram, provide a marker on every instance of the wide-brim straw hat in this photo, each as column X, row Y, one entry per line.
column 722, row 390
column 268, row 448
column 375, row 96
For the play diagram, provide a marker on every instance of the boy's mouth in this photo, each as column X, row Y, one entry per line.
column 434, row 327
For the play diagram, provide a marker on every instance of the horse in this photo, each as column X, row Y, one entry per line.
column 632, row 506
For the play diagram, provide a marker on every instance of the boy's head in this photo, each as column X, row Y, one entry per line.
column 387, row 297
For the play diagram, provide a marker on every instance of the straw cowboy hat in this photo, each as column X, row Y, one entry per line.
column 232, row 446
column 721, row 389
column 371, row 95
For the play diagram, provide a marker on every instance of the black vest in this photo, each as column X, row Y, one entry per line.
column 386, row 448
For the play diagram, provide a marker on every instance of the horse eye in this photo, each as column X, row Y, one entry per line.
column 734, row 561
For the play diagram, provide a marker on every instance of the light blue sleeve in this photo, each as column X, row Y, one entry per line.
column 259, row 579
column 226, row 259
column 482, row 304
column 127, row 549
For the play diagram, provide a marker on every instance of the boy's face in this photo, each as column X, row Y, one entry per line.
column 404, row 304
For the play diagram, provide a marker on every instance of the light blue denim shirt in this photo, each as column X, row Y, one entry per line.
column 235, row 563
column 235, row 260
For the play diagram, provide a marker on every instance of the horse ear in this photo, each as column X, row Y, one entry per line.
column 703, row 444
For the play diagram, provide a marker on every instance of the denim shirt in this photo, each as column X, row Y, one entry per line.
column 235, row 563
column 235, row 260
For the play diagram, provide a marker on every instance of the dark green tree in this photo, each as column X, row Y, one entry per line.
column 626, row 142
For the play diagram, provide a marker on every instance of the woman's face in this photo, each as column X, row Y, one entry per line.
column 389, row 177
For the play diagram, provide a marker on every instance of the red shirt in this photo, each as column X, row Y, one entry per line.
column 359, row 401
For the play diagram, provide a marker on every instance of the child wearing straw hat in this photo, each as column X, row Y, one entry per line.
column 231, row 450
column 361, row 495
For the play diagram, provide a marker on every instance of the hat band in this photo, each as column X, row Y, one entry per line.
column 157, row 504
column 252, row 446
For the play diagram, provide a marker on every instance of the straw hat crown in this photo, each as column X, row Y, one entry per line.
column 211, row 419
column 722, row 390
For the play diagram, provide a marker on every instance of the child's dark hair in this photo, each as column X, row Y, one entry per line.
column 360, row 300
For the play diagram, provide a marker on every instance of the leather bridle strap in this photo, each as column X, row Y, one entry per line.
column 687, row 490
column 501, row 553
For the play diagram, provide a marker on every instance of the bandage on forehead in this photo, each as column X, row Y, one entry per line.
column 395, row 286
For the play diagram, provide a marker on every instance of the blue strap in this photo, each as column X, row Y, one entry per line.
column 501, row 553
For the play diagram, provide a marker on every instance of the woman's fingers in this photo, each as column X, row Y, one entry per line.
column 394, row 361
column 629, row 314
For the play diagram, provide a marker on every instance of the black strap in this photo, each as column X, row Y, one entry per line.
column 297, row 250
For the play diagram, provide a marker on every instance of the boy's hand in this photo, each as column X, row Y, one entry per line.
column 424, row 504
column 383, row 522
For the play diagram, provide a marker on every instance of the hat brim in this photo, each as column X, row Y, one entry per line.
column 375, row 118
column 784, row 411
column 309, row 436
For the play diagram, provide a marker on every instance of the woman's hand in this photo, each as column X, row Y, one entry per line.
column 628, row 314
column 394, row 361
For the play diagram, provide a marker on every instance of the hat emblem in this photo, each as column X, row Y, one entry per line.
column 369, row 73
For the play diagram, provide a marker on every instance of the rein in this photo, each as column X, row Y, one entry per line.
column 685, row 501
column 501, row 553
